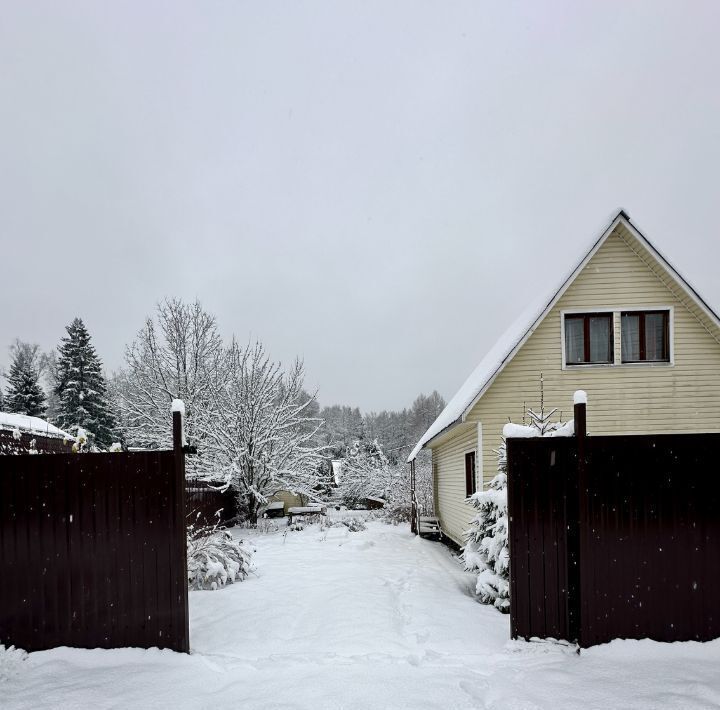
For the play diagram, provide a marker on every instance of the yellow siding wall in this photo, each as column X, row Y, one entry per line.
column 449, row 465
column 622, row 399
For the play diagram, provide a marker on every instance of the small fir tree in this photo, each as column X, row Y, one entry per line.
column 81, row 389
column 486, row 548
column 24, row 393
column 542, row 420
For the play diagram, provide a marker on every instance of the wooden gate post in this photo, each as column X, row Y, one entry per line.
column 178, row 413
column 413, row 499
column 577, row 519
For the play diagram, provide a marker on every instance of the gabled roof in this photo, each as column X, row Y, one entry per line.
column 517, row 334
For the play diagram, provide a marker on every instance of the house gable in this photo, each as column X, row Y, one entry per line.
column 506, row 348
column 623, row 399
column 637, row 398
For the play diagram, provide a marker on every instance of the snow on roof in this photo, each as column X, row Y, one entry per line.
column 32, row 425
column 505, row 348
column 490, row 364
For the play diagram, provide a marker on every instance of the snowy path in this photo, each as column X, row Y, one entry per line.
column 374, row 619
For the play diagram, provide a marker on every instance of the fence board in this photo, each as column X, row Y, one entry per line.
column 204, row 501
column 93, row 550
column 630, row 552
column 25, row 442
column 646, row 575
column 537, row 509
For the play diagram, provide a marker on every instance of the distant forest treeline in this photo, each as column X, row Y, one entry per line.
column 396, row 431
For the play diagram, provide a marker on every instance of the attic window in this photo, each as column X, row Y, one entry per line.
column 589, row 339
column 645, row 336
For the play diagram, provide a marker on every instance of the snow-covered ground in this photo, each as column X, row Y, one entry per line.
column 370, row 619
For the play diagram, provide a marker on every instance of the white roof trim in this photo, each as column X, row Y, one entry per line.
column 517, row 335
column 689, row 290
column 533, row 326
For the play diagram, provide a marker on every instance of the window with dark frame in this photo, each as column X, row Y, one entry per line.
column 470, row 486
column 589, row 339
column 645, row 336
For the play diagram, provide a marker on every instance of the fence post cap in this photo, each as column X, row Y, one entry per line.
column 580, row 397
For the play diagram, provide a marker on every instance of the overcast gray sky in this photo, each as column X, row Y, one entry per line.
column 376, row 187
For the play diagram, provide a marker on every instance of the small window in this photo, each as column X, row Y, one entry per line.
column 470, row 487
column 589, row 339
column 645, row 336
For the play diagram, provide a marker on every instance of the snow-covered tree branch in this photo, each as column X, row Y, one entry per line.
column 176, row 355
column 258, row 430
column 366, row 472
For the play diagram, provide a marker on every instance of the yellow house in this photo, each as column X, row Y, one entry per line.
column 624, row 326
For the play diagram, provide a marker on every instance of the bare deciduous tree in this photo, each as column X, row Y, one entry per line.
column 260, row 434
column 176, row 355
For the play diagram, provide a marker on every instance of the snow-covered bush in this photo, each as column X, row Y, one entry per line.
column 399, row 510
column 10, row 660
column 352, row 524
column 215, row 558
column 266, row 525
column 81, row 445
column 486, row 548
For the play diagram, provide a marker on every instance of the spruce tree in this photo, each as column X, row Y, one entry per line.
column 81, row 388
column 24, row 394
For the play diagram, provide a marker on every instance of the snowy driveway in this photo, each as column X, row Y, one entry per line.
column 372, row 619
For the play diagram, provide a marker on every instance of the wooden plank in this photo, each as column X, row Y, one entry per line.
column 104, row 536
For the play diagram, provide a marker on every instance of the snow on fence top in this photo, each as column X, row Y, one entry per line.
column 580, row 397
column 520, row 431
column 32, row 425
column 505, row 347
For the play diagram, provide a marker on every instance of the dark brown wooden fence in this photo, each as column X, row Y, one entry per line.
column 540, row 507
column 207, row 505
column 615, row 537
column 10, row 443
column 93, row 550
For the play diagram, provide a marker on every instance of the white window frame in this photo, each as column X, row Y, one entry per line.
column 617, row 328
column 583, row 311
column 671, row 335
